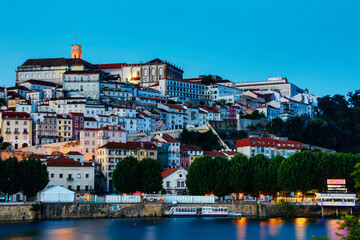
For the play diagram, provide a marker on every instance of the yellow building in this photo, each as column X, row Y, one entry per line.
column 64, row 124
column 16, row 128
column 12, row 101
column 113, row 152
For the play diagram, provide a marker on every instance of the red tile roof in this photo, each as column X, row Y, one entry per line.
column 130, row 145
column 214, row 153
column 135, row 78
column 168, row 172
column 190, row 148
column 152, row 98
column 168, row 138
column 174, row 106
column 65, row 162
column 15, row 115
column 39, row 82
column 73, row 153
column 110, row 65
column 268, row 142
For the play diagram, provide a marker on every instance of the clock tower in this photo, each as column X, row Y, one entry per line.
column 76, row 51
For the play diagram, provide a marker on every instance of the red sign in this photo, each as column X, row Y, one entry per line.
column 336, row 182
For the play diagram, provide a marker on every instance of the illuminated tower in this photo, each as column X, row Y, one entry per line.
column 76, row 51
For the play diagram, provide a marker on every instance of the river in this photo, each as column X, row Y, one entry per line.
column 170, row 229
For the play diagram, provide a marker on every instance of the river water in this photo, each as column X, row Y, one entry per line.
column 170, row 229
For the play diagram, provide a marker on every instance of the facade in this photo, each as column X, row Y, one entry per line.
column 64, row 127
column 77, row 124
column 16, row 128
column 280, row 84
column 92, row 138
column 83, row 83
column 172, row 116
column 218, row 92
column 267, row 146
column 71, row 174
column 183, row 90
column 174, row 180
column 46, row 131
column 144, row 74
column 173, row 150
column 188, row 153
column 50, row 69
column 111, row 153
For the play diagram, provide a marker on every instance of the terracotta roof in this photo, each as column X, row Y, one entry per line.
column 82, row 72
column 168, row 172
column 129, row 145
column 168, row 138
column 152, row 98
column 214, row 153
column 65, row 162
column 19, row 88
column 89, row 119
column 268, row 142
column 46, row 62
column 15, row 115
column 39, row 82
column 190, row 148
column 73, row 153
column 135, row 78
column 174, row 106
column 76, row 114
column 110, row 65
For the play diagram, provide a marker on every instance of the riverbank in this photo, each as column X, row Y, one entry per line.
column 56, row 211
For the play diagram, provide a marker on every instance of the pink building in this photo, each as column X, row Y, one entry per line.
column 91, row 139
column 77, row 124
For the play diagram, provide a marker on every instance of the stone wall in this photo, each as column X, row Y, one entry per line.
column 16, row 213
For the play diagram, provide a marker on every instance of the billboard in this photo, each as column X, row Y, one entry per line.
column 336, row 182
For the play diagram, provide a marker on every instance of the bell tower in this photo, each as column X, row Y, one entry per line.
column 76, row 51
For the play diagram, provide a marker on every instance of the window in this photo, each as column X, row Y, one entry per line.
column 60, row 175
column 86, row 175
column 78, row 175
column 52, row 175
column 78, row 188
column 167, row 184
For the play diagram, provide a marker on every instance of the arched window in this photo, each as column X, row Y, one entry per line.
column 182, row 184
column 178, row 184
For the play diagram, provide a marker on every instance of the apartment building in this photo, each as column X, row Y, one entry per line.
column 16, row 128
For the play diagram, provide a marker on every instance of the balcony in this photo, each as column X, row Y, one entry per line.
column 104, row 137
column 70, row 179
column 16, row 132
column 25, row 132
column 8, row 132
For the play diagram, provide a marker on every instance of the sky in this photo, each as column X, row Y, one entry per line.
column 314, row 44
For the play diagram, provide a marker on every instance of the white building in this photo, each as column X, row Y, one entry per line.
column 174, row 180
column 173, row 150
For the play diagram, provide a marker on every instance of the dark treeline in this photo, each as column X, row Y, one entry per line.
column 130, row 175
column 303, row 171
column 337, row 125
column 28, row 176
column 208, row 141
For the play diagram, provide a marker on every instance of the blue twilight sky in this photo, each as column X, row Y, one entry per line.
column 315, row 44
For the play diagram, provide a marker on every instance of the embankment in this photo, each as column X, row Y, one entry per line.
column 55, row 211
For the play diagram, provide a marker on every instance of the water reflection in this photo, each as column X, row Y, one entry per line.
column 274, row 226
column 241, row 228
column 331, row 226
column 300, row 228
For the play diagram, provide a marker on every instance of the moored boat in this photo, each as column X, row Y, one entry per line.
column 182, row 211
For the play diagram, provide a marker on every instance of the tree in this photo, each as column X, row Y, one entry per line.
column 354, row 98
column 276, row 126
column 258, row 174
column 351, row 227
column 294, row 128
column 13, row 180
column 200, row 178
column 356, row 175
column 273, row 169
column 207, row 80
column 150, row 175
column 321, row 133
column 5, row 145
column 35, row 175
column 222, row 180
column 299, row 172
column 126, row 175
column 208, row 141
column 255, row 115
column 239, row 165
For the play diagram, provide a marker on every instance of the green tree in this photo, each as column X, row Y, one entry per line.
column 294, row 128
column 35, row 175
column 255, row 115
column 126, row 177
column 200, row 178
column 150, row 175
column 208, row 80
column 258, row 174
column 274, row 165
column 239, row 173
column 356, row 175
column 222, row 180
column 351, row 226
column 13, row 177
column 208, row 141
column 321, row 133
column 276, row 126
column 5, row 145
column 299, row 172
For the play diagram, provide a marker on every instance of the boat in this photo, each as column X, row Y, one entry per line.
column 235, row 215
column 182, row 211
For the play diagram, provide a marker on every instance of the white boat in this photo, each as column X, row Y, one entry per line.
column 182, row 211
column 235, row 215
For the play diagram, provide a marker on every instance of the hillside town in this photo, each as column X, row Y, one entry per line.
column 81, row 119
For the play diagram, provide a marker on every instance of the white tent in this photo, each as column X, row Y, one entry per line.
column 57, row 194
